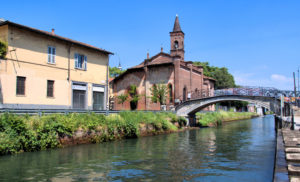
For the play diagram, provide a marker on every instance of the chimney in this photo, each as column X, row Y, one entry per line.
column 52, row 31
column 147, row 55
column 161, row 49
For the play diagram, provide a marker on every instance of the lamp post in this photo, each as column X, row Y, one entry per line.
column 298, row 78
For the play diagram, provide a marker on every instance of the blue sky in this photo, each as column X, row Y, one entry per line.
column 257, row 40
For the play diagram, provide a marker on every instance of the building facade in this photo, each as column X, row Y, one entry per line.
column 45, row 71
column 183, row 80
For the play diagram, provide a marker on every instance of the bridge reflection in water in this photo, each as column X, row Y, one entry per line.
column 238, row 151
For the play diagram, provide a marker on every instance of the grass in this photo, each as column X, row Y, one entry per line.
column 34, row 133
column 217, row 118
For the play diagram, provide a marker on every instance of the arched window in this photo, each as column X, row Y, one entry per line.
column 184, row 94
column 170, row 93
column 176, row 45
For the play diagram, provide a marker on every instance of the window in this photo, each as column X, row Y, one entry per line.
column 50, row 88
column 80, row 61
column 170, row 93
column 176, row 44
column 20, row 85
column 51, row 54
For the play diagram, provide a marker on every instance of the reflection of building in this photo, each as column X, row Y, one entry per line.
column 183, row 79
column 44, row 70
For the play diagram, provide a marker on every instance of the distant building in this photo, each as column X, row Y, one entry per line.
column 46, row 71
column 183, row 79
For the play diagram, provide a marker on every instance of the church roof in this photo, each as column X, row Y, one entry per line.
column 152, row 61
column 177, row 27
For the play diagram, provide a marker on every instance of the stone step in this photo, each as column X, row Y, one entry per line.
column 292, row 150
column 294, row 169
column 292, row 140
column 295, row 179
column 292, row 144
column 294, row 157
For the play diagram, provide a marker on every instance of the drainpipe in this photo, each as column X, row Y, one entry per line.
column 69, row 63
column 107, row 85
column 70, row 93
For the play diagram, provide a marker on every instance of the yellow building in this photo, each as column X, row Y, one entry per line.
column 45, row 71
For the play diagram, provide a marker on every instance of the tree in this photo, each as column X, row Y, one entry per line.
column 114, row 72
column 122, row 98
column 223, row 78
column 3, row 49
column 159, row 93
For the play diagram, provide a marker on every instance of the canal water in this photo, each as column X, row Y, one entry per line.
column 238, row 151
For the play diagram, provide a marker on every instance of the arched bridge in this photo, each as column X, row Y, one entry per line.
column 190, row 107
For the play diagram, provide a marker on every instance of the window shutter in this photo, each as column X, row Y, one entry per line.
column 76, row 60
column 85, row 63
column 53, row 54
column 49, row 54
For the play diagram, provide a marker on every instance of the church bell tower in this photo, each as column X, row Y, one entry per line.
column 177, row 40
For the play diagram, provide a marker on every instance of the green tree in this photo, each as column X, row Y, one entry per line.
column 159, row 93
column 223, row 78
column 3, row 49
column 114, row 72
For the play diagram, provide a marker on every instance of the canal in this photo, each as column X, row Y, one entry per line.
column 238, row 151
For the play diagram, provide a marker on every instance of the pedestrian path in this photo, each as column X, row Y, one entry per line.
column 291, row 139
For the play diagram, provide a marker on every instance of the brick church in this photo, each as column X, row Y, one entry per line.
column 184, row 80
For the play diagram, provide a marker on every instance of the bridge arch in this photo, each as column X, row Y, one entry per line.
column 190, row 107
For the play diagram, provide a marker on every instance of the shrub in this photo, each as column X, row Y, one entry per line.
column 33, row 133
column 3, row 49
column 216, row 118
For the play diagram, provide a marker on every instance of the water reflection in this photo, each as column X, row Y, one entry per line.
column 239, row 151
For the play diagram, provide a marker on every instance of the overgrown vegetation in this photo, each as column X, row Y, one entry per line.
column 135, row 97
column 33, row 133
column 3, row 49
column 159, row 93
column 122, row 98
column 217, row 118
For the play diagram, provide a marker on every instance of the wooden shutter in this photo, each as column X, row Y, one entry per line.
column 49, row 54
column 76, row 60
column 85, row 63
column 53, row 54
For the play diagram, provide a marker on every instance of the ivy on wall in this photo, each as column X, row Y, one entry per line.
column 3, row 49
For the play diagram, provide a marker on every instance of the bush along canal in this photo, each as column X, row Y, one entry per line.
column 238, row 151
column 210, row 119
column 34, row 133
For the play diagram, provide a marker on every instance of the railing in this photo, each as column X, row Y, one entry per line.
column 256, row 91
column 289, row 96
column 41, row 112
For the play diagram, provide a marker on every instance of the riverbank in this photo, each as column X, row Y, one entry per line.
column 34, row 133
column 211, row 119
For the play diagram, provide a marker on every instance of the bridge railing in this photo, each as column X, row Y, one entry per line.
column 289, row 96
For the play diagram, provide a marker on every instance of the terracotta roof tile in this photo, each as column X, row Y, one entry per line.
column 54, row 36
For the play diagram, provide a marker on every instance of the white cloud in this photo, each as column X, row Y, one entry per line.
column 280, row 78
column 275, row 80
